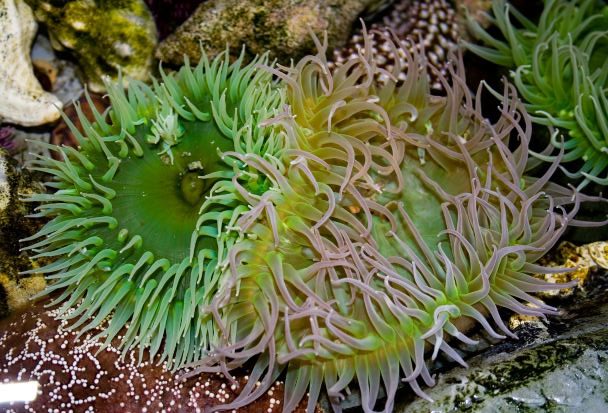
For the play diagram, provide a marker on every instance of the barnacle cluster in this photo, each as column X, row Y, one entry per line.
column 430, row 23
column 559, row 67
column 325, row 225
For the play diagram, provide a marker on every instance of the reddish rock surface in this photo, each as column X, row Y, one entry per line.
column 62, row 135
column 74, row 377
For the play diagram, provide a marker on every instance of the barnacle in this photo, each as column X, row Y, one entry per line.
column 431, row 23
column 393, row 214
column 559, row 67
column 142, row 213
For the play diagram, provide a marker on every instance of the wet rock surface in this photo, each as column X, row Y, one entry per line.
column 565, row 372
column 23, row 100
column 74, row 373
column 281, row 27
column 169, row 14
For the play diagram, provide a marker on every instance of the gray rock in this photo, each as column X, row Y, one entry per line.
column 66, row 86
column 281, row 27
column 106, row 37
column 565, row 375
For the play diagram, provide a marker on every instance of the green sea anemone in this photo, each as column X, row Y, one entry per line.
column 143, row 214
column 559, row 67
column 393, row 215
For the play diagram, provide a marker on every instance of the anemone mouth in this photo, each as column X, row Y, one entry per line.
column 143, row 214
column 160, row 201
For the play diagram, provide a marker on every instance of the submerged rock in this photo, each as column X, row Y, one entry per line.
column 23, row 101
column 105, row 36
column 563, row 375
column 282, row 27
column 169, row 14
column 583, row 263
column 60, row 76
column 558, row 365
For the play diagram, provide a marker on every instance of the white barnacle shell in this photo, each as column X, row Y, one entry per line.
column 22, row 99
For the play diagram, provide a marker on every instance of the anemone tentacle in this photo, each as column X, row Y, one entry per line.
column 155, row 266
column 395, row 214
column 558, row 66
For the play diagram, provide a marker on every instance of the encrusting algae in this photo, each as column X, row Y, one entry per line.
column 109, row 38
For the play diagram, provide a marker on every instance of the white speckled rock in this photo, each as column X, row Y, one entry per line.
column 22, row 99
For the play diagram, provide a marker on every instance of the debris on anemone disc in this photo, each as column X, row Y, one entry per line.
column 559, row 67
column 143, row 213
column 394, row 213
column 432, row 23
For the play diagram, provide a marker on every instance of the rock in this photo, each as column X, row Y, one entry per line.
column 60, row 74
column 282, row 27
column 563, row 375
column 583, row 262
column 169, row 14
column 16, row 288
column 15, row 183
column 46, row 73
column 105, row 36
column 562, row 369
column 23, row 101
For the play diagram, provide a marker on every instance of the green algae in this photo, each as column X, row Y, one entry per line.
column 107, row 37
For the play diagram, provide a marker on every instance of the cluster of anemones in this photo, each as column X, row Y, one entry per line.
column 559, row 67
column 324, row 224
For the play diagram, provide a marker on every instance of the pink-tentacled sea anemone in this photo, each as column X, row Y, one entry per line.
column 392, row 215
